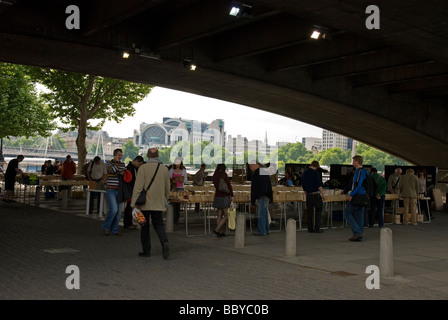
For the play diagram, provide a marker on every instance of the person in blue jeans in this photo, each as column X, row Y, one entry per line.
column 261, row 194
column 354, row 215
column 114, row 169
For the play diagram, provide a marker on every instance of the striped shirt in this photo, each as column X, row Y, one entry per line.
column 113, row 168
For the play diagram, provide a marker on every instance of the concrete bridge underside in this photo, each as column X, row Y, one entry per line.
column 386, row 87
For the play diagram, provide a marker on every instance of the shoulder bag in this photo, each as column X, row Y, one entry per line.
column 142, row 196
column 360, row 200
column 222, row 187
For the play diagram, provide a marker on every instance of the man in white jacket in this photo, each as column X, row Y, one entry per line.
column 156, row 200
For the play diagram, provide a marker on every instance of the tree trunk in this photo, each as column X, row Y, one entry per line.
column 82, row 124
column 81, row 144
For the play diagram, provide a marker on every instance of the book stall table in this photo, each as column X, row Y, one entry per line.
column 75, row 186
column 426, row 199
column 103, row 208
column 186, row 199
column 330, row 201
column 28, row 187
column 390, row 218
column 283, row 196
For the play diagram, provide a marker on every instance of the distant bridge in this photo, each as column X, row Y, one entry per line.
column 40, row 153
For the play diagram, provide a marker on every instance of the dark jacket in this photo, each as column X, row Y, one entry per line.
column 311, row 180
column 260, row 186
column 133, row 171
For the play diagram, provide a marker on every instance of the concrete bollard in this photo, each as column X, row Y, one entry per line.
column 290, row 240
column 386, row 253
column 240, row 229
column 169, row 225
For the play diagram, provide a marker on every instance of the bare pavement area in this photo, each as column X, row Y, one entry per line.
column 38, row 246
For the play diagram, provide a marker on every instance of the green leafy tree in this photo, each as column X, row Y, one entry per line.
column 130, row 150
column 293, row 152
column 378, row 158
column 77, row 99
column 23, row 113
column 331, row 156
column 164, row 155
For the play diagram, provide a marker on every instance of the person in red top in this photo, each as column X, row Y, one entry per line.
column 68, row 171
column 68, row 168
column 223, row 198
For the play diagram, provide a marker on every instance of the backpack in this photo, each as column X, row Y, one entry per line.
column 370, row 185
column 84, row 169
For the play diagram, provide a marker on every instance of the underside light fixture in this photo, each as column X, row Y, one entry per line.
column 319, row 33
column 235, row 8
column 239, row 9
column 190, row 65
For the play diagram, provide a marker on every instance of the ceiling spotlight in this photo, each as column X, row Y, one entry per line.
column 239, row 9
column 315, row 34
column 319, row 33
column 125, row 55
column 235, row 8
column 190, row 65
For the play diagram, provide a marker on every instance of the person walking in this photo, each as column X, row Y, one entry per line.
column 409, row 193
column 314, row 193
column 354, row 214
column 223, row 197
column 377, row 202
column 133, row 167
column 10, row 177
column 261, row 195
column 156, row 200
column 114, row 168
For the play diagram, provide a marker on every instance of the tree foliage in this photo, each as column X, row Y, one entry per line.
column 332, row 156
column 378, row 158
column 77, row 99
column 23, row 113
column 130, row 150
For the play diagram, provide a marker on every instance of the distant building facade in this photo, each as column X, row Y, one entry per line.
column 174, row 130
column 312, row 144
column 334, row 140
column 237, row 145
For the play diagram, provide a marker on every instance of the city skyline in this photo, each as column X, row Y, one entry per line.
column 238, row 119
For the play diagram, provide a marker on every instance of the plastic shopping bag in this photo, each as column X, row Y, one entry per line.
column 232, row 217
column 139, row 217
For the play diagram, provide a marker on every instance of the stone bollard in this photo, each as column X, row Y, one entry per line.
column 240, row 229
column 169, row 218
column 290, row 242
column 386, row 253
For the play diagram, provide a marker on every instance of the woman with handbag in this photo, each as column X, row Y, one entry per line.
column 223, row 197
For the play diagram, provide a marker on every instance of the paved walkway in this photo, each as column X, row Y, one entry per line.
column 38, row 244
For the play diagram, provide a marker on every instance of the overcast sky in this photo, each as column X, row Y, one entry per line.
column 238, row 119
